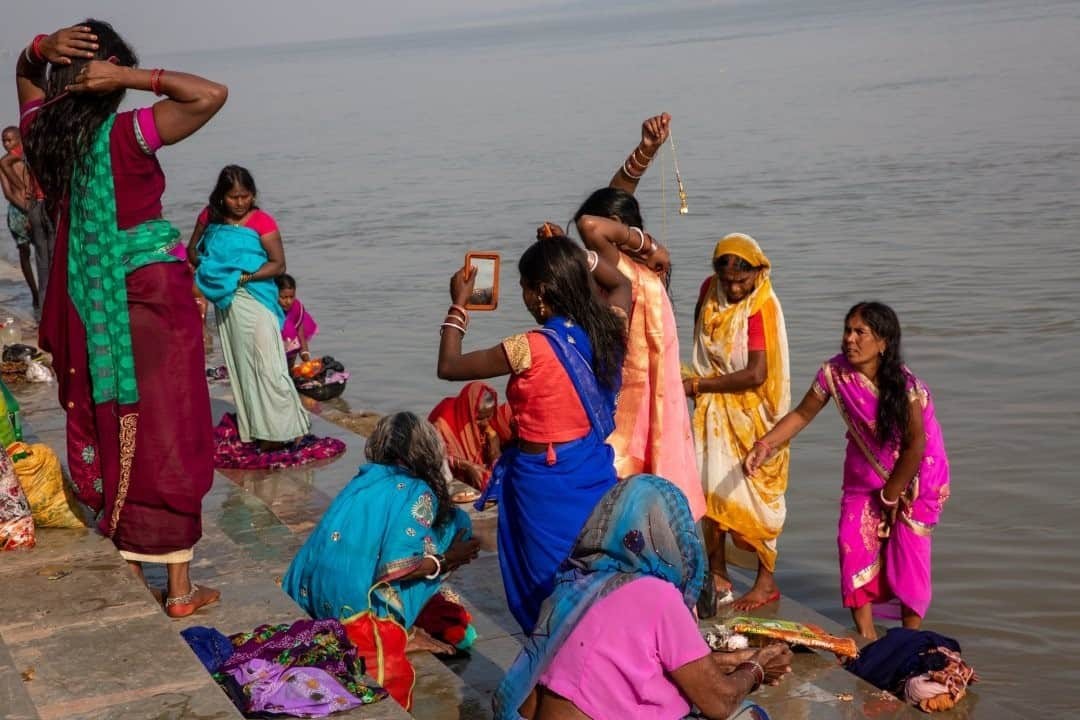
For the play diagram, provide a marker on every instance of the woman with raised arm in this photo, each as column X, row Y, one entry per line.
column 118, row 314
column 564, row 377
column 896, row 473
column 652, row 425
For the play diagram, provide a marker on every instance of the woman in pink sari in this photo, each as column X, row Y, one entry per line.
column 896, row 473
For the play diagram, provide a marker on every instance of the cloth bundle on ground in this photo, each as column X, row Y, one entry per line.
column 446, row 619
column 231, row 452
column 794, row 633
column 16, row 522
column 918, row 666
column 307, row 669
column 52, row 502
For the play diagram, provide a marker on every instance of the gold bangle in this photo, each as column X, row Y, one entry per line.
column 694, row 382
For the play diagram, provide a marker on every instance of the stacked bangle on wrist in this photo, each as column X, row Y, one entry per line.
column 762, row 443
column 695, row 383
column 457, row 317
column 33, row 53
column 155, row 80
column 756, row 671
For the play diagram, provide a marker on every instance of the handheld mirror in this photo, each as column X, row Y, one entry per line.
column 486, row 288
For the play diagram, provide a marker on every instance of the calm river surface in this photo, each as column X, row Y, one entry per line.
column 925, row 154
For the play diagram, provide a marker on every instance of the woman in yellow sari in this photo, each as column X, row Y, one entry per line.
column 742, row 387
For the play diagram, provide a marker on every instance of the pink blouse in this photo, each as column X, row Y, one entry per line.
column 259, row 221
column 619, row 669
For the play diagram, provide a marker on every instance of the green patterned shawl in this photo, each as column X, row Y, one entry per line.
column 100, row 256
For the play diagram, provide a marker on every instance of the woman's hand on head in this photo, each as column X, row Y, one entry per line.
column 99, row 77
column 775, row 660
column 659, row 261
column 461, row 285
column 549, row 230
column 655, row 132
column 461, row 552
column 65, row 44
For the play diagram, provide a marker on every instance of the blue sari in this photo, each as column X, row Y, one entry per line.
column 227, row 251
column 542, row 507
column 376, row 532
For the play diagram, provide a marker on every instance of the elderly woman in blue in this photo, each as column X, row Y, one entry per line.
column 385, row 543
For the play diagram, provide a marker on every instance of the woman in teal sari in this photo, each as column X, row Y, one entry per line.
column 385, row 545
column 237, row 250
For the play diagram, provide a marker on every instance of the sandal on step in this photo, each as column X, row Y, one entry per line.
column 184, row 605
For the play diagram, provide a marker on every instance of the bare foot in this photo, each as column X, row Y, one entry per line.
column 184, row 605
column 421, row 640
column 759, row 595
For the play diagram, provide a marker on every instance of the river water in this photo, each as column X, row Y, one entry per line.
column 925, row 154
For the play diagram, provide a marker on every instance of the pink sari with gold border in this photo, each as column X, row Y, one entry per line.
column 873, row 569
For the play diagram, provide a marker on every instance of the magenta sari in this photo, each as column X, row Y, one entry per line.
column 297, row 317
column 873, row 569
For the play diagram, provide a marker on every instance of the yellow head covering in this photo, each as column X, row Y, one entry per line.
column 727, row 424
column 744, row 246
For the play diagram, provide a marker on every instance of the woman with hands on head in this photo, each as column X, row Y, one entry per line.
column 118, row 314
column 563, row 379
column 653, row 432
column 896, row 472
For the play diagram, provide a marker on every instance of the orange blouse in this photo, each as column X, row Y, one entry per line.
column 541, row 395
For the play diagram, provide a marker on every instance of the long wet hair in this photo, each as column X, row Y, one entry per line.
column 229, row 176
column 557, row 268
column 63, row 130
column 405, row 440
column 893, row 407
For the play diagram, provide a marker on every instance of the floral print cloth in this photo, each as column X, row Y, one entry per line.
column 231, row 452
column 16, row 522
column 307, row 669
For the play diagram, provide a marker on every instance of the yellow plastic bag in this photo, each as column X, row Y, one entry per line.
column 38, row 471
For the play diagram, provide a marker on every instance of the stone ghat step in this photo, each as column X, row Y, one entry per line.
column 83, row 638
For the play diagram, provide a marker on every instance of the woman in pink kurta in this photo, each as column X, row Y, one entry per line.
column 896, row 472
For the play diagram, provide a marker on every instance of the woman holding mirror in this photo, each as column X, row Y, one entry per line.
column 564, row 377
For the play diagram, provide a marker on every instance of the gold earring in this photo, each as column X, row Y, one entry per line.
column 542, row 311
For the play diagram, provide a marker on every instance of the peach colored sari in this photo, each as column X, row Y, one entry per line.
column 652, row 422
